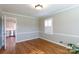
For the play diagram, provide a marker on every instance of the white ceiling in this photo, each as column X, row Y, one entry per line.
column 29, row 10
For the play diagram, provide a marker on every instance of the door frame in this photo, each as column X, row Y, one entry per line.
column 4, row 32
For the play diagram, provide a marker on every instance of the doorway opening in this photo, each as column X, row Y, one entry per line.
column 9, row 26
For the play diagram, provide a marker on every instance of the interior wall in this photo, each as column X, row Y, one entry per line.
column 66, row 27
column 0, row 32
column 27, row 27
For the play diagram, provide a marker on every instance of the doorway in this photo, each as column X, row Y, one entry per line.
column 9, row 26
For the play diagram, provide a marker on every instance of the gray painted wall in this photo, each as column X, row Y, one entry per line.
column 27, row 27
column 65, row 26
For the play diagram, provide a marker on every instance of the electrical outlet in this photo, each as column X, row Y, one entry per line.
column 61, row 42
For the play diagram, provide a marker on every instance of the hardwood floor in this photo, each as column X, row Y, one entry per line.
column 10, row 42
column 36, row 46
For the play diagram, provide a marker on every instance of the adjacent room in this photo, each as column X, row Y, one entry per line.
column 39, row 28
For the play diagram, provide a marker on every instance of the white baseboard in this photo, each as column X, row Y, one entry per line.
column 44, row 39
column 56, row 43
column 25, row 40
column 28, row 36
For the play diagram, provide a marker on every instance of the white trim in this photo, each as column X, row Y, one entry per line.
column 56, row 43
column 63, row 34
column 27, row 32
column 65, row 9
column 56, row 12
column 4, row 12
column 16, row 32
column 1, row 33
column 2, row 30
column 26, row 40
column 4, row 35
column 4, row 18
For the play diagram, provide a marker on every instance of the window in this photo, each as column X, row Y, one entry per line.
column 48, row 24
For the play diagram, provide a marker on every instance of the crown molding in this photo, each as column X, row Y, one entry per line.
column 4, row 12
column 59, row 11
column 65, row 9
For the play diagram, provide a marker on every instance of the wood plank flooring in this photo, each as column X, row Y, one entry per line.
column 36, row 46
